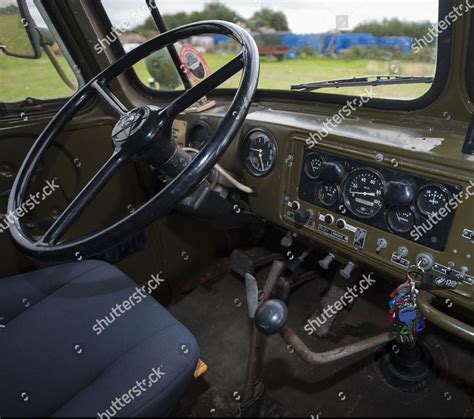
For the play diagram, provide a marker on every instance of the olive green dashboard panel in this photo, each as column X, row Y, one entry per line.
column 424, row 151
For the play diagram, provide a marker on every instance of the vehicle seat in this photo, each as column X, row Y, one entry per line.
column 54, row 361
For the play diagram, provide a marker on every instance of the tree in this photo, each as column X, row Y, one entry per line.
column 211, row 11
column 268, row 18
column 217, row 11
column 394, row 27
column 10, row 9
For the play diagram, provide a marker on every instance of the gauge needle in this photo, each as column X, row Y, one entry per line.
column 434, row 201
column 261, row 161
column 362, row 193
column 257, row 150
column 402, row 219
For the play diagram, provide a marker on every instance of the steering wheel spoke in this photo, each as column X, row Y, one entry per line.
column 106, row 94
column 141, row 134
column 191, row 96
column 72, row 212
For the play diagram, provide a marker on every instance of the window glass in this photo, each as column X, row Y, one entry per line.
column 470, row 60
column 302, row 41
column 26, row 71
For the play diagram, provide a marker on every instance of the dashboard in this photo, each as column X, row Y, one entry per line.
column 377, row 193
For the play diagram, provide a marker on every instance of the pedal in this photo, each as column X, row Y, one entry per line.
column 323, row 319
column 250, row 260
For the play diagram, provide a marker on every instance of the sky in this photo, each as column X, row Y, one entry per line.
column 304, row 16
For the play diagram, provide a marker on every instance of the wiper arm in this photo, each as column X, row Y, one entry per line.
column 363, row 81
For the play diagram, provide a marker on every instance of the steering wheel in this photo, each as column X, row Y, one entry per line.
column 141, row 134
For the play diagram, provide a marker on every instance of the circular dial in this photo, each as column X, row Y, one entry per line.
column 363, row 193
column 259, row 153
column 328, row 194
column 199, row 136
column 313, row 165
column 432, row 199
column 401, row 220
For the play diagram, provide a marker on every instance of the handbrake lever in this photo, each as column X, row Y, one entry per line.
column 271, row 316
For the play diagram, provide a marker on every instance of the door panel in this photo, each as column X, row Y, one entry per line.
column 79, row 152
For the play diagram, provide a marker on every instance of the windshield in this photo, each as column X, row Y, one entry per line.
column 307, row 41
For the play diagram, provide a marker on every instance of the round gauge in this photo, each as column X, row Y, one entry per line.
column 312, row 165
column 199, row 135
column 328, row 194
column 259, row 152
column 432, row 198
column 363, row 192
column 401, row 220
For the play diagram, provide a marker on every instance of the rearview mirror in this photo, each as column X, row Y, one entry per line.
column 18, row 34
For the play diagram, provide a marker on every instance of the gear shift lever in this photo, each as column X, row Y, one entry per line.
column 271, row 316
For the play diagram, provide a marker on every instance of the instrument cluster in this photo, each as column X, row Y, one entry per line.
column 415, row 207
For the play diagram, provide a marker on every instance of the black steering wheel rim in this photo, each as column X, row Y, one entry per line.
column 95, row 243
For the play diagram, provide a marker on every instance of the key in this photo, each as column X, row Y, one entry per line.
column 404, row 330
column 407, row 314
column 420, row 323
column 392, row 301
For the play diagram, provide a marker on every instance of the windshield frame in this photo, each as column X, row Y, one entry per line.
column 443, row 67
column 470, row 61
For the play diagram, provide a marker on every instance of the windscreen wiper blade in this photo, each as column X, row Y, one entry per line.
column 363, row 81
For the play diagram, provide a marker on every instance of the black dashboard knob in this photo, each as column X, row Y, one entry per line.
column 332, row 172
column 399, row 194
column 302, row 217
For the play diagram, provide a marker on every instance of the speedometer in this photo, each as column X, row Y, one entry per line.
column 363, row 193
column 259, row 152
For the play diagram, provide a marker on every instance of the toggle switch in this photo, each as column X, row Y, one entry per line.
column 302, row 217
column 402, row 252
column 381, row 244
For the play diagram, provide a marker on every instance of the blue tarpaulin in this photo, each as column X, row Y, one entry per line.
column 327, row 42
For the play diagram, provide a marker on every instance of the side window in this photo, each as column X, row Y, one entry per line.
column 32, row 64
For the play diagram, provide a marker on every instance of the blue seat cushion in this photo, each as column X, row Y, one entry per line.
column 82, row 339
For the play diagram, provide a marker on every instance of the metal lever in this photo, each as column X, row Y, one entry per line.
column 347, row 271
column 324, row 263
column 251, row 288
column 314, row 358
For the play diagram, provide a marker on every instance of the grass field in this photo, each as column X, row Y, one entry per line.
column 13, row 34
column 20, row 78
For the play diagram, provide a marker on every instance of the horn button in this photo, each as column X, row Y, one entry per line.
column 130, row 124
column 136, row 132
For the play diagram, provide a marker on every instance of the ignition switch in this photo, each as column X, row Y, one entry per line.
column 425, row 261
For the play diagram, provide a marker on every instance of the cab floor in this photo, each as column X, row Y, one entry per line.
column 216, row 314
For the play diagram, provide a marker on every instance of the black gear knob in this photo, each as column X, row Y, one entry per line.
column 271, row 316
